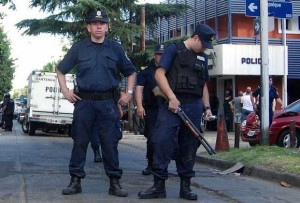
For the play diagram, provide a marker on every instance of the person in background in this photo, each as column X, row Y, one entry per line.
column 227, row 111
column 95, row 144
column 18, row 110
column 147, row 102
column 247, row 104
column 98, row 62
column 236, row 107
column 8, row 112
column 214, row 105
column 182, row 77
column 273, row 95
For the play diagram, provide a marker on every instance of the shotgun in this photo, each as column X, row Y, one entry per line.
column 197, row 134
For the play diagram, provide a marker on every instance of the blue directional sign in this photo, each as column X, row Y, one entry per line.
column 256, row 26
column 278, row 9
column 281, row 9
column 252, row 8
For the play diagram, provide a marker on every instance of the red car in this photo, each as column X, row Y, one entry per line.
column 279, row 130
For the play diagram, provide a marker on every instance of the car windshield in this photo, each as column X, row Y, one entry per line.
column 294, row 107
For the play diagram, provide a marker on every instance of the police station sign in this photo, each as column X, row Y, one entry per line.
column 251, row 60
column 233, row 59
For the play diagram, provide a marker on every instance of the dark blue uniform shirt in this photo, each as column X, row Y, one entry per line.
column 97, row 64
column 273, row 94
column 146, row 79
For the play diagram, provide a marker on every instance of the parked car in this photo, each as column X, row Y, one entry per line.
column 279, row 130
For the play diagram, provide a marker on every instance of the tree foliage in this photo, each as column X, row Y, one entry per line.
column 20, row 92
column 49, row 67
column 8, row 2
column 6, row 64
column 67, row 18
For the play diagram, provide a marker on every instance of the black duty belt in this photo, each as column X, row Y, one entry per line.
column 185, row 100
column 96, row 95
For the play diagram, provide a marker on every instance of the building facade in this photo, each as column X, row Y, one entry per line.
column 235, row 60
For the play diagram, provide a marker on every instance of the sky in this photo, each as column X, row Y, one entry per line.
column 32, row 52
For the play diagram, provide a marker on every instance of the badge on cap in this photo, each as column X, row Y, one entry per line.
column 98, row 14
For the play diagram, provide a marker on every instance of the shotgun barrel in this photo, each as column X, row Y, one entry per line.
column 197, row 134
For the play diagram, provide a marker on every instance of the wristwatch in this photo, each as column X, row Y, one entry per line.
column 207, row 107
column 130, row 92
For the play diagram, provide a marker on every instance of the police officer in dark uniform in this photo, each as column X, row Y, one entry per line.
column 98, row 61
column 147, row 102
column 181, row 75
column 8, row 112
column 273, row 94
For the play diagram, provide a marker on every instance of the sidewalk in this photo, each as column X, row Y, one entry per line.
column 139, row 141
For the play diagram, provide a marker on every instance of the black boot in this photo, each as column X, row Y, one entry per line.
column 97, row 155
column 158, row 190
column 185, row 190
column 116, row 189
column 74, row 187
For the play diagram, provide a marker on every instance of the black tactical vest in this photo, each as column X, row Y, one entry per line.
column 187, row 74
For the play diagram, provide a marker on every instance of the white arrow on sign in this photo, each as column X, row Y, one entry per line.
column 252, row 7
column 256, row 26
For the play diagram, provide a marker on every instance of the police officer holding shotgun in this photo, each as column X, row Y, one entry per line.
column 181, row 76
column 98, row 61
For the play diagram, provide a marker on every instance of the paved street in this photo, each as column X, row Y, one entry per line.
column 34, row 169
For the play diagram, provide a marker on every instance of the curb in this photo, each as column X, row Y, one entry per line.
column 133, row 136
column 254, row 171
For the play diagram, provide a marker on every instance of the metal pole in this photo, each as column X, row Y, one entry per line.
column 285, row 54
column 237, row 135
column 143, row 24
column 292, row 134
column 264, row 94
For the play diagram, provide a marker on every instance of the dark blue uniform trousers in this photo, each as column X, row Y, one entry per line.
column 169, row 125
column 150, row 121
column 95, row 139
column 106, row 116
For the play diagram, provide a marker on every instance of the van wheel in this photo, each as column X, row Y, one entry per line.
column 25, row 126
column 31, row 128
column 69, row 130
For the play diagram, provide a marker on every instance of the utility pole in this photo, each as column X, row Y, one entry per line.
column 264, row 89
column 283, row 28
column 143, row 25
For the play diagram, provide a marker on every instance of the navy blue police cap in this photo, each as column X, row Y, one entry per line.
column 159, row 49
column 206, row 34
column 96, row 16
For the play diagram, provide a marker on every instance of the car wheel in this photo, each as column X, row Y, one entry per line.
column 24, row 126
column 284, row 139
column 252, row 144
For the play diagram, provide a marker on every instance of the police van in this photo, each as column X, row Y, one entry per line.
column 47, row 109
